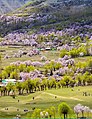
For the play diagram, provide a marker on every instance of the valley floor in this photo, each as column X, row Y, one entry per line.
column 44, row 100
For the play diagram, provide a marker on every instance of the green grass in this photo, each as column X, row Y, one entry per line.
column 44, row 100
column 11, row 51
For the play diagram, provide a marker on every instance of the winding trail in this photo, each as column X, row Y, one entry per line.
column 72, row 98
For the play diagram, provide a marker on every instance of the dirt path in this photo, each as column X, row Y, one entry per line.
column 72, row 98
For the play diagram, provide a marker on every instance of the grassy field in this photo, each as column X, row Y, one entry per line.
column 44, row 100
column 49, row 54
column 10, row 51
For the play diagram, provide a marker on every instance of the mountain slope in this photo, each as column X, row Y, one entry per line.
column 46, row 14
column 53, row 11
column 10, row 5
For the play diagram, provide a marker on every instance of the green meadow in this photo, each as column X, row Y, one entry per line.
column 44, row 100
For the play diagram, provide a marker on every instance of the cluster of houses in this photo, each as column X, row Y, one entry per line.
column 4, row 82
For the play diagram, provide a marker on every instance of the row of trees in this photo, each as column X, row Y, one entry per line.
column 13, row 71
column 38, row 84
column 29, row 86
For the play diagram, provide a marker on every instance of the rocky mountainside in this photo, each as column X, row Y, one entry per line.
column 10, row 5
column 46, row 14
